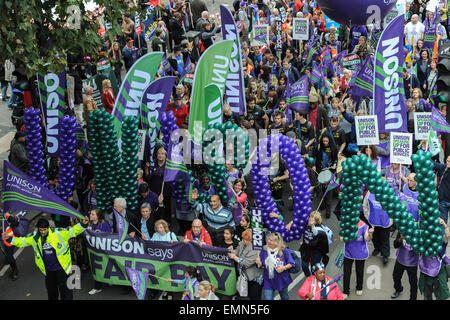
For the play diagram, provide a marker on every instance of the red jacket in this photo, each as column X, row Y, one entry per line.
column 180, row 114
column 204, row 236
column 108, row 100
column 311, row 284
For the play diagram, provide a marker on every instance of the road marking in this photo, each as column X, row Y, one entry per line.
column 5, row 268
column 5, row 141
column 296, row 280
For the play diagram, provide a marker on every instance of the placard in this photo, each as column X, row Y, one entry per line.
column 141, row 144
column 351, row 60
column 300, row 29
column 260, row 35
column 401, row 148
column 366, row 130
column 421, row 125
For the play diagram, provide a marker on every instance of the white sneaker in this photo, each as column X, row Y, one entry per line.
column 359, row 292
column 95, row 291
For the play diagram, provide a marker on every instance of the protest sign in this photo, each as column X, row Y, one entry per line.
column 401, row 148
column 300, row 29
column 421, row 125
column 351, row 61
column 260, row 35
column 109, row 259
column 141, row 144
column 366, row 130
column 257, row 228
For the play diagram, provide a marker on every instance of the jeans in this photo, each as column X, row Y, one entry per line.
column 315, row 258
column 13, row 97
column 269, row 294
column 4, row 86
column 444, row 206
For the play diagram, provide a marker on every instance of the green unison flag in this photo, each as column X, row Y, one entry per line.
column 132, row 89
column 212, row 68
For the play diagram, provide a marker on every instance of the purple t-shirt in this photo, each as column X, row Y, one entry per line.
column 50, row 259
column 279, row 280
column 357, row 249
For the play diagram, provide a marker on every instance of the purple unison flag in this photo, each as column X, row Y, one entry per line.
column 389, row 92
column 438, row 122
column 175, row 167
column 316, row 74
column 20, row 192
column 122, row 226
column 299, row 94
column 167, row 67
column 52, row 90
column 153, row 104
column 234, row 88
column 138, row 281
column 362, row 84
column 187, row 67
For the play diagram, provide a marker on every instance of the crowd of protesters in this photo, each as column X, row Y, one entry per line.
column 325, row 135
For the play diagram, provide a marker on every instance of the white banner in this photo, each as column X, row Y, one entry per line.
column 141, row 144
column 366, row 130
column 421, row 125
column 401, row 148
column 300, row 29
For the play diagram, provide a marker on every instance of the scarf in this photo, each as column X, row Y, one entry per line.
column 271, row 261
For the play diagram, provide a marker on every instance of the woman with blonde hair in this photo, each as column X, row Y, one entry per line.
column 115, row 56
column 276, row 260
column 206, row 291
column 162, row 232
column 314, row 248
column 108, row 98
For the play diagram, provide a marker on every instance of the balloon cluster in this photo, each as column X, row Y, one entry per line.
column 168, row 125
column 300, row 181
column 129, row 183
column 360, row 170
column 107, row 162
column 34, row 145
column 429, row 205
column 67, row 154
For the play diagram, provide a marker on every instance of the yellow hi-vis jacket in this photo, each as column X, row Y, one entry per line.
column 58, row 238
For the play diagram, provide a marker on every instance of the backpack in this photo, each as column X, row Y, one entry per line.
column 296, row 267
column 328, row 232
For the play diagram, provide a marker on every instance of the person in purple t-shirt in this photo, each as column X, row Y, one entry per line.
column 356, row 250
column 276, row 260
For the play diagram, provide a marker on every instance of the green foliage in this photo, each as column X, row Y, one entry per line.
column 35, row 33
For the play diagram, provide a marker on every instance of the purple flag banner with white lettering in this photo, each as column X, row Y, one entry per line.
column 20, row 192
column 299, row 94
column 389, row 91
column 138, row 281
column 154, row 103
column 122, row 225
column 52, row 90
column 234, row 89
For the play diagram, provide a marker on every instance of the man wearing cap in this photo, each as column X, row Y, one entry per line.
column 179, row 109
column 320, row 286
column 18, row 153
column 52, row 255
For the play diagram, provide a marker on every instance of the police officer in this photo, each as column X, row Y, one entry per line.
column 52, row 254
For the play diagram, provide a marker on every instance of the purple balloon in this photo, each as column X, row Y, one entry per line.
column 338, row 10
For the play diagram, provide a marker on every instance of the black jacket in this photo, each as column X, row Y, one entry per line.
column 78, row 90
column 444, row 186
column 18, row 155
column 150, row 224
